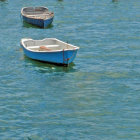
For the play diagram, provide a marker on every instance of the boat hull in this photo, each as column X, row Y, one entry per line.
column 38, row 22
column 60, row 57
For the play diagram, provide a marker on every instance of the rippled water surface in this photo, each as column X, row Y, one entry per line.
column 97, row 97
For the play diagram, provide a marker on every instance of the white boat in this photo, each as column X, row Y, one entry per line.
column 49, row 50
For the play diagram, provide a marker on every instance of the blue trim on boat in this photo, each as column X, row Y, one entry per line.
column 47, row 22
column 38, row 22
column 58, row 57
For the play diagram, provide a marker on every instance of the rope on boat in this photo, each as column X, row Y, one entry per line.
column 68, row 58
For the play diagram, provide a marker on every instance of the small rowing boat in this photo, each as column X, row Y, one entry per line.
column 49, row 50
column 39, row 16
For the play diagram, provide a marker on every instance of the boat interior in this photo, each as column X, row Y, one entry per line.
column 37, row 12
column 48, row 45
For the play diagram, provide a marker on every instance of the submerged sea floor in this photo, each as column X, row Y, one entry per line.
column 97, row 97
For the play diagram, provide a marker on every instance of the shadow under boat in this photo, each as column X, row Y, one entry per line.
column 49, row 63
column 28, row 25
column 42, row 65
column 114, row 0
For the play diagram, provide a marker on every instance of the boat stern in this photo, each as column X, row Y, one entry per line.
column 48, row 22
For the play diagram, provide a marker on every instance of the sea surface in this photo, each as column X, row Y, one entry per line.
column 97, row 97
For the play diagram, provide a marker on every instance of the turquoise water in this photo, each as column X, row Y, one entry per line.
column 95, row 98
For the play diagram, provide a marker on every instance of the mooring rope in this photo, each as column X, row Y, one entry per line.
column 68, row 58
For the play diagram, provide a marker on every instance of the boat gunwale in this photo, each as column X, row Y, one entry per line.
column 26, row 39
